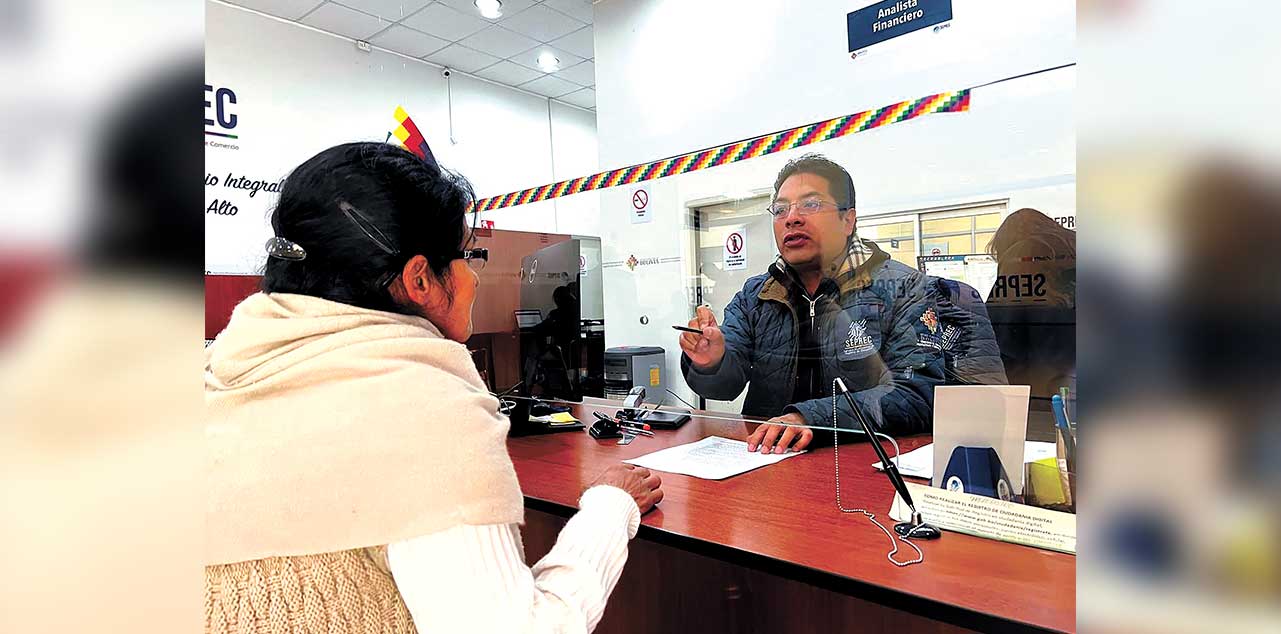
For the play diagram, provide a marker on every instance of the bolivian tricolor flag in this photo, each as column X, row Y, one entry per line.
column 410, row 137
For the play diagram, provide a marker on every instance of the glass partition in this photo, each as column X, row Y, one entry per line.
column 888, row 220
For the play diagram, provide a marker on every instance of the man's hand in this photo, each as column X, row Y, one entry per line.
column 704, row 351
column 776, row 438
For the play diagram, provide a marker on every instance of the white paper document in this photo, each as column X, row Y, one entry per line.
column 919, row 462
column 712, row 458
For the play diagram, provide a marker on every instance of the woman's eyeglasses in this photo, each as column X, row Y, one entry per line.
column 476, row 258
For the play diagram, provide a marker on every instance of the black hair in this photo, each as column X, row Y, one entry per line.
column 404, row 203
column 838, row 180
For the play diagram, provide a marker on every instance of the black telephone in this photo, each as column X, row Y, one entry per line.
column 663, row 420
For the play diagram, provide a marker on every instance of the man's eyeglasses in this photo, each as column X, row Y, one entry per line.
column 476, row 258
column 804, row 207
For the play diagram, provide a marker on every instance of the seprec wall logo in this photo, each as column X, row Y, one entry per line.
column 221, row 118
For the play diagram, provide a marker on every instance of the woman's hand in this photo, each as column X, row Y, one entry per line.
column 644, row 487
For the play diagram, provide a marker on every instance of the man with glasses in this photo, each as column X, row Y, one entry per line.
column 830, row 306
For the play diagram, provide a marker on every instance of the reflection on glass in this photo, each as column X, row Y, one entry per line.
column 894, row 238
column 987, row 221
column 540, row 338
column 830, row 305
column 887, row 231
column 717, row 283
column 983, row 241
column 947, row 226
column 843, row 299
column 947, row 245
column 1033, row 302
column 904, row 252
column 958, row 235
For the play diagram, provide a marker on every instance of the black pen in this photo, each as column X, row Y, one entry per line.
column 623, row 426
column 690, row 330
column 917, row 527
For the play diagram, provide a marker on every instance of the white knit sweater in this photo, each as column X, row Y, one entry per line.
column 474, row 578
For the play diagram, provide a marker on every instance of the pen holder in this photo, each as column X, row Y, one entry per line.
column 1067, row 471
column 1050, row 483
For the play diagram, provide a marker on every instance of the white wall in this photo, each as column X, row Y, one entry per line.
column 678, row 76
column 300, row 91
column 675, row 75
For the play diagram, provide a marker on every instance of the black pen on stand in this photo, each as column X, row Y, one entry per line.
column 917, row 527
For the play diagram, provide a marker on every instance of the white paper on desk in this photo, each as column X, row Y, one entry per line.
column 712, row 458
column 919, row 462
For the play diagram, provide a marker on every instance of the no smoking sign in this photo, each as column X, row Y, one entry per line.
column 736, row 249
column 640, row 205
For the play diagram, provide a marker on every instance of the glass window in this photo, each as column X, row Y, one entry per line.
column 987, row 221
column 905, row 252
column 982, row 240
column 960, row 235
column 887, row 231
column 948, row 245
column 894, row 238
column 942, row 226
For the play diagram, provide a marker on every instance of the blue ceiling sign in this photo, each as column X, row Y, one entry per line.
column 889, row 19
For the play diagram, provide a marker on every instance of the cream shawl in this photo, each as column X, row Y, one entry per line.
column 333, row 427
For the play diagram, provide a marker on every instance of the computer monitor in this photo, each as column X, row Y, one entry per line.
column 528, row 318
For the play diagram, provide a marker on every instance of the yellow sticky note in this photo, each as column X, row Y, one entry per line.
column 562, row 418
column 655, row 379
